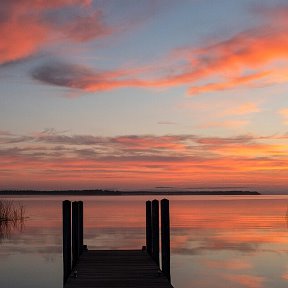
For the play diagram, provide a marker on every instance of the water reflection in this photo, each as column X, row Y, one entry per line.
column 286, row 216
column 230, row 243
column 7, row 228
column 215, row 242
column 31, row 251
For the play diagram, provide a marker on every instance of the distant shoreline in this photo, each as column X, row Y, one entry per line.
column 123, row 193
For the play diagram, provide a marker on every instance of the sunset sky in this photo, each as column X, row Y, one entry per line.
column 141, row 94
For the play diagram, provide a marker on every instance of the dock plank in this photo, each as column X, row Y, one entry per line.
column 117, row 268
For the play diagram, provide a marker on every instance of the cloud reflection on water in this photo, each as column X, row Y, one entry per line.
column 240, row 243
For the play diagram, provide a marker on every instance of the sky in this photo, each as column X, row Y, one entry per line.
column 127, row 94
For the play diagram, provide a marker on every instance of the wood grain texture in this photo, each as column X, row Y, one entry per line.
column 117, row 268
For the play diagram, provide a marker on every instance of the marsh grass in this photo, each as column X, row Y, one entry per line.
column 7, row 228
column 10, row 211
column 12, row 217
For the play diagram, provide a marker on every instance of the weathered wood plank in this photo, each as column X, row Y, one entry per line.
column 117, row 268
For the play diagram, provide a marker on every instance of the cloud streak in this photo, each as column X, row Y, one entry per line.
column 135, row 159
column 254, row 50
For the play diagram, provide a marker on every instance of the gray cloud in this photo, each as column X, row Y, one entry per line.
column 62, row 74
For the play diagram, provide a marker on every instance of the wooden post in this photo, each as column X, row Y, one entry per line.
column 66, row 213
column 80, row 207
column 155, row 231
column 165, row 237
column 148, row 228
column 75, row 233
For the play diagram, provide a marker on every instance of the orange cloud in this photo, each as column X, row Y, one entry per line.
column 22, row 38
column 243, row 109
column 135, row 160
column 285, row 276
column 235, row 56
column 255, row 50
column 240, row 61
column 26, row 29
column 284, row 114
column 228, row 84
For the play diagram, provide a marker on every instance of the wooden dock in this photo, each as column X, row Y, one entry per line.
column 117, row 268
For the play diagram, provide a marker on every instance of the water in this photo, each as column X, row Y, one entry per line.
column 215, row 241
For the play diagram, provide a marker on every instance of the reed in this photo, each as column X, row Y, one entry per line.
column 10, row 211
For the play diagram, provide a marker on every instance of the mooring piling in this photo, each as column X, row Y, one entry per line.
column 165, row 237
column 75, row 233
column 149, row 227
column 155, row 231
column 152, row 233
column 80, row 211
column 66, row 213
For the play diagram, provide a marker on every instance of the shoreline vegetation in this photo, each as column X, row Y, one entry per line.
column 99, row 192
column 12, row 216
column 11, row 212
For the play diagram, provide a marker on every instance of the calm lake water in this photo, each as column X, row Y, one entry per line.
column 216, row 242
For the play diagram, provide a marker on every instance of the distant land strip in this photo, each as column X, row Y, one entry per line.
column 123, row 193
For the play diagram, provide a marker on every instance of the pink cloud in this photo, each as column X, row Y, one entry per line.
column 239, row 61
column 22, row 38
column 285, row 276
column 86, row 28
column 243, row 109
column 228, row 84
column 26, row 29
column 255, row 50
column 141, row 159
column 233, row 57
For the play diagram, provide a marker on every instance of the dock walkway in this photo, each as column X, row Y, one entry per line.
column 117, row 268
